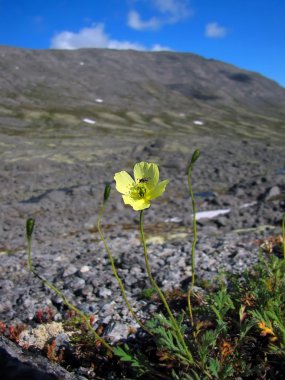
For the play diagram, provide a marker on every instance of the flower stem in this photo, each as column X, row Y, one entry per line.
column 283, row 235
column 161, row 295
column 29, row 227
column 195, row 156
column 115, row 270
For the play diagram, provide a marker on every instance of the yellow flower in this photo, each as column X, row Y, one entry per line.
column 226, row 349
column 265, row 330
column 146, row 186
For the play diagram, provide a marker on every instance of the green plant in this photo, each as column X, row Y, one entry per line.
column 138, row 193
column 239, row 329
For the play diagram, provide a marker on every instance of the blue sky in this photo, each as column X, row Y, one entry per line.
column 247, row 33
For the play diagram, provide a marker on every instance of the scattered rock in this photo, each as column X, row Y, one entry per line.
column 67, row 250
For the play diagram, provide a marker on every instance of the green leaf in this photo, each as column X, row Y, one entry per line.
column 214, row 367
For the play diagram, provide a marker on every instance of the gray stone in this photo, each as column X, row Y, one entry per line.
column 273, row 193
column 16, row 363
column 104, row 292
column 70, row 270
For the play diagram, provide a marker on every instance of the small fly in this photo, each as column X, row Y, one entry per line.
column 144, row 180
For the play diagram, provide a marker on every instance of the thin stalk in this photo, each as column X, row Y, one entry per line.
column 194, row 227
column 58, row 292
column 283, row 235
column 190, row 306
column 195, row 156
column 115, row 270
column 161, row 295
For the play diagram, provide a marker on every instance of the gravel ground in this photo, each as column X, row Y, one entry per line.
column 247, row 178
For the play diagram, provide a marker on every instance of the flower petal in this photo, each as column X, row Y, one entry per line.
column 123, row 182
column 138, row 204
column 158, row 190
column 146, row 171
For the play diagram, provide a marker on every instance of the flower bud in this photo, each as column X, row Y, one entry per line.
column 107, row 192
column 195, row 156
column 30, row 227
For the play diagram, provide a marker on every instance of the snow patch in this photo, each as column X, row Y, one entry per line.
column 211, row 214
column 99, row 100
column 88, row 121
column 175, row 219
column 248, row 204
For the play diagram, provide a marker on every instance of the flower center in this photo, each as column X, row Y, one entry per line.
column 138, row 191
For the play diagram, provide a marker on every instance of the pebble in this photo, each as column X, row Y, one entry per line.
column 85, row 269
column 104, row 292
column 273, row 192
column 118, row 331
column 70, row 270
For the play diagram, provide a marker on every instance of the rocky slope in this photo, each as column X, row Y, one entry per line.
column 67, row 127
column 136, row 91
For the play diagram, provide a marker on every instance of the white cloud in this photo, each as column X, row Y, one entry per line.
column 135, row 22
column 94, row 36
column 176, row 9
column 170, row 12
column 158, row 47
column 214, row 30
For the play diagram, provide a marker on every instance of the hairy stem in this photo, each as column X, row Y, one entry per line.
column 115, row 270
column 161, row 295
column 195, row 156
column 283, row 235
column 194, row 230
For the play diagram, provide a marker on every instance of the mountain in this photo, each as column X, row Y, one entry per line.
column 135, row 89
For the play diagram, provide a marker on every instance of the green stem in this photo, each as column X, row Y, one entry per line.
column 283, row 235
column 195, row 156
column 65, row 301
column 192, row 248
column 190, row 306
column 161, row 295
column 194, row 226
column 115, row 271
